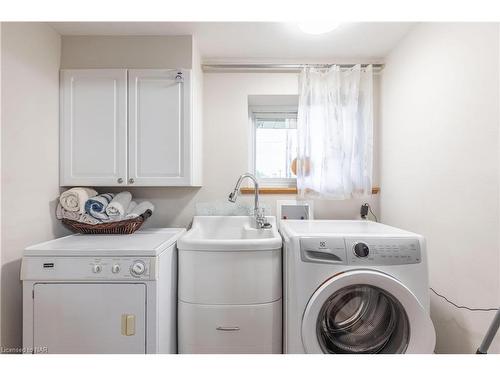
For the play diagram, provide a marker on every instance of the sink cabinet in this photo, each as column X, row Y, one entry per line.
column 230, row 287
column 230, row 278
column 130, row 127
column 236, row 329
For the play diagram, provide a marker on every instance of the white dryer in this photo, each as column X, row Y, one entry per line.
column 355, row 287
column 101, row 293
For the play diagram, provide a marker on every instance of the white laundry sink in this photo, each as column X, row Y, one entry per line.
column 229, row 233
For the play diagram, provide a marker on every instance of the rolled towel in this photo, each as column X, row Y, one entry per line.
column 61, row 213
column 74, row 199
column 87, row 219
column 118, row 206
column 140, row 209
column 96, row 206
column 131, row 206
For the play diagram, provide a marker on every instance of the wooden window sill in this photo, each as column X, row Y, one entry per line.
column 284, row 190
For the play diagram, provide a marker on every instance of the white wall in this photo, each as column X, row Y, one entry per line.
column 0, row 182
column 226, row 150
column 440, row 167
column 224, row 117
column 30, row 103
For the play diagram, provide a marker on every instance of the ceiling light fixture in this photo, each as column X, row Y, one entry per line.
column 318, row 27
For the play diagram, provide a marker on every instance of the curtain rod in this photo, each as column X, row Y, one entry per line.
column 277, row 67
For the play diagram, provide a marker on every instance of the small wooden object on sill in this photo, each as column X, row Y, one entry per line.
column 284, row 190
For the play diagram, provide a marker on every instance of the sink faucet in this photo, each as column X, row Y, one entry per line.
column 260, row 219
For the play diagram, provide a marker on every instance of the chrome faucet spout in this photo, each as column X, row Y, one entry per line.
column 260, row 219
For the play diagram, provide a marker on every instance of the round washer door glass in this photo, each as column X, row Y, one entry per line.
column 362, row 319
column 366, row 311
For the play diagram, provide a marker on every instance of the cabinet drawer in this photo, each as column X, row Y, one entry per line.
column 231, row 278
column 229, row 329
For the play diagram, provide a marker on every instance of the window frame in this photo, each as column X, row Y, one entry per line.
column 253, row 112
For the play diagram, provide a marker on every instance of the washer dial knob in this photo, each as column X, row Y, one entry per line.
column 138, row 268
column 361, row 250
column 115, row 268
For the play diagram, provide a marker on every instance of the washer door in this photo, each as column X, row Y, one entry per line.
column 366, row 312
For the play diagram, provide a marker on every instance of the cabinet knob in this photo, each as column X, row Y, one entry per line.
column 131, row 180
column 120, row 180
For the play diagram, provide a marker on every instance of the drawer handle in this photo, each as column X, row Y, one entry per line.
column 228, row 328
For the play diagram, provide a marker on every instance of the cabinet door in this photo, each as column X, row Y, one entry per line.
column 89, row 318
column 159, row 127
column 93, row 147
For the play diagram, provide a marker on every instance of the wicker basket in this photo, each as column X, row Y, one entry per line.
column 117, row 227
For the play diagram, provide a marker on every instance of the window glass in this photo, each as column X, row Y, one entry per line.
column 275, row 145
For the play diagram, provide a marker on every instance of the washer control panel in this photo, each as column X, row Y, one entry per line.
column 90, row 268
column 383, row 251
column 360, row 251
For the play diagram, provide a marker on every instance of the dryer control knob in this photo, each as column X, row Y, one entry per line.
column 361, row 249
column 138, row 268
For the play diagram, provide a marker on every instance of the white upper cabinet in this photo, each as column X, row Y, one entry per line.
column 145, row 140
column 93, row 139
column 159, row 135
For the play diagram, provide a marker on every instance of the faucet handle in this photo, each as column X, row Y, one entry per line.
column 232, row 196
column 260, row 218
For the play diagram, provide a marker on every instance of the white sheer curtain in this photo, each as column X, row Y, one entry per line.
column 335, row 132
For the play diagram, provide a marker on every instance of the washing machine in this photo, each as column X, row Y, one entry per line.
column 355, row 287
column 112, row 294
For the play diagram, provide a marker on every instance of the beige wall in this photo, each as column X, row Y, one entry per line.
column 440, row 167
column 126, row 52
column 30, row 103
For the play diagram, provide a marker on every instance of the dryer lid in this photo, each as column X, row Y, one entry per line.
column 146, row 242
column 366, row 312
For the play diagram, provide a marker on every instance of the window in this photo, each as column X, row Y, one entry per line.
column 274, row 145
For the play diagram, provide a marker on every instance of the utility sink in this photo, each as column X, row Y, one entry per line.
column 229, row 233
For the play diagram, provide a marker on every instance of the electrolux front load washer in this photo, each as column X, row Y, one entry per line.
column 101, row 293
column 355, row 287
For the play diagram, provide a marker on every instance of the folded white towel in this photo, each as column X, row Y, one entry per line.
column 74, row 199
column 140, row 209
column 61, row 213
column 119, row 205
column 87, row 219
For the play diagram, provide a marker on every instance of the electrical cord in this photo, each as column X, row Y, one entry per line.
column 375, row 216
column 365, row 209
column 436, row 293
column 460, row 306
